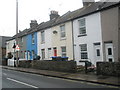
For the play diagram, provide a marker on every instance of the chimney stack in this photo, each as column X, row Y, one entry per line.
column 87, row 2
column 54, row 14
column 33, row 24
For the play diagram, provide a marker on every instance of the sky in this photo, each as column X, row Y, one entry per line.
column 31, row 10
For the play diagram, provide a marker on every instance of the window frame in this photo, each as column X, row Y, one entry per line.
column 49, row 52
column 63, row 54
column 43, row 55
column 33, row 39
column 62, row 31
column 83, row 52
column 82, row 32
column 42, row 36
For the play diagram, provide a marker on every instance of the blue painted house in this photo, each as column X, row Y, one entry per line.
column 32, row 41
column 31, row 46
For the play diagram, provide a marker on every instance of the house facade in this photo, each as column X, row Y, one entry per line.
column 88, row 38
column 55, row 37
column 22, row 45
column 62, row 40
column 9, row 47
column 31, row 46
column 96, row 33
column 110, row 21
column 2, row 47
column 45, row 44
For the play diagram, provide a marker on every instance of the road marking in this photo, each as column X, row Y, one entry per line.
column 22, row 83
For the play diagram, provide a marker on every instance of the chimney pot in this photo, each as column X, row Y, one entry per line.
column 53, row 14
column 33, row 24
column 87, row 2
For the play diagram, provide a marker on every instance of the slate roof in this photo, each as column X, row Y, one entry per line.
column 84, row 11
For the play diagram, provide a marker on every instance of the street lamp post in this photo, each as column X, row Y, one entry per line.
column 14, row 46
column 16, row 32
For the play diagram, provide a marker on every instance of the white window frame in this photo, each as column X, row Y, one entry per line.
column 43, row 53
column 63, row 53
column 83, row 51
column 42, row 36
column 62, row 31
column 33, row 39
column 82, row 26
column 33, row 54
column 49, row 52
column 22, row 39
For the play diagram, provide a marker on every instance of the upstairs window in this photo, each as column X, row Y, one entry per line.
column 33, row 39
column 62, row 31
column 82, row 26
column 43, row 37
column 83, row 51
column 22, row 39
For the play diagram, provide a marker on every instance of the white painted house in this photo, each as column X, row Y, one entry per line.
column 44, row 44
column 9, row 47
column 95, row 32
column 87, row 38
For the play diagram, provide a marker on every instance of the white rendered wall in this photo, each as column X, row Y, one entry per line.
column 46, row 45
column 9, row 47
column 93, row 29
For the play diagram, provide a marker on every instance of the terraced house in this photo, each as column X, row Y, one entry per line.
column 87, row 34
column 96, row 32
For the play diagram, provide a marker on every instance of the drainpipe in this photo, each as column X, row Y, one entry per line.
column 73, row 41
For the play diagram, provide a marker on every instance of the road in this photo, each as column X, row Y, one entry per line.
column 16, row 79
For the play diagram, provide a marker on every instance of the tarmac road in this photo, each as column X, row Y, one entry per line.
column 16, row 79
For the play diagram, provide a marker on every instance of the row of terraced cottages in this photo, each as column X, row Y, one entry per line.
column 89, row 33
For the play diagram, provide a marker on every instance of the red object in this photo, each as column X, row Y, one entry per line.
column 55, row 52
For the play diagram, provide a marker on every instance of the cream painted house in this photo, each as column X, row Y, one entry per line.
column 62, row 40
column 55, row 37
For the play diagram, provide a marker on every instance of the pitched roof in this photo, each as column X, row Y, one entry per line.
column 92, row 8
column 84, row 11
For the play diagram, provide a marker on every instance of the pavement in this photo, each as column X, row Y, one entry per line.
column 90, row 77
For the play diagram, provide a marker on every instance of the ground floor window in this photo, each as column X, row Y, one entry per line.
column 43, row 53
column 33, row 54
column 49, row 52
column 63, row 51
column 83, row 51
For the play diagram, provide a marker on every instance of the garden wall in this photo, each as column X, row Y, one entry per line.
column 108, row 68
column 64, row 66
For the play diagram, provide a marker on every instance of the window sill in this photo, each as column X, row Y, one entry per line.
column 42, row 42
column 63, row 38
column 81, row 35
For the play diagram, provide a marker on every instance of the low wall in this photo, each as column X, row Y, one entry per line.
column 25, row 64
column 64, row 66
column 4, row 62
column 108, row 68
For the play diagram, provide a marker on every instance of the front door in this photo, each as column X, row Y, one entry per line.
column 98, row 53
column 109, row 52
column 55, row 51
column 28, row 55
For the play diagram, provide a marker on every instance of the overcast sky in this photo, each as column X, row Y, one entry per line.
column 31, row 10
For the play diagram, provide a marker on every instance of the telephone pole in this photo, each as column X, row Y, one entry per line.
column 16, row 32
